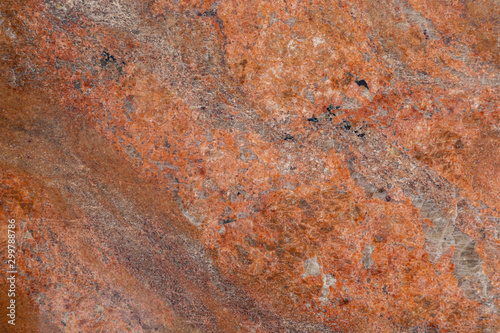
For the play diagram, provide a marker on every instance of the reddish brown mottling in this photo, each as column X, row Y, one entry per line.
column 251, row 166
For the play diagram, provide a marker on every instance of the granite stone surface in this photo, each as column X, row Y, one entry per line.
column 250, row 165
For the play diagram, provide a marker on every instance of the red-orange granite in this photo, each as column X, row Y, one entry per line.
column 251, row 166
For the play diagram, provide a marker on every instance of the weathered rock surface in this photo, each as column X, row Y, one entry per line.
column 251, row 166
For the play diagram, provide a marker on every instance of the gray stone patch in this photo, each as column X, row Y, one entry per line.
column 66, row 317
column 350, row 103
column 417, row 18
column 418, row 184
column 227, row 211
column 328, row 281
column 210, row 185
column 129, row 107
column 236, row 193
column 309, row 95
column 311, row 267
column 242, row 215
column 247, row 155
column 273, row 19
column 290, row 22
column 367, row 260
column 191, row 218
column 27, row 235
column 132, row 152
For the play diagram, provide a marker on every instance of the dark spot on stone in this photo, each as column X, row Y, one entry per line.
column 346, row 125
column 288, row 137
column 344, row 301
column 210, row 13
column 107, row 58
column 221, row 222
column 330, row 113
column 482, row 232
column 303, row 204
column 203, row 108
column 458, row 144
column 166, row 143
column 362, row 83
column 313, row 119
column 330, row 108
column 387, row 198
column 361, row 135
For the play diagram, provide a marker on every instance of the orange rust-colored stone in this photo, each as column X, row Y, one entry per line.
column 251, row 166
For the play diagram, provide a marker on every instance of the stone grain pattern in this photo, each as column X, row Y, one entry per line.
column 252, row 166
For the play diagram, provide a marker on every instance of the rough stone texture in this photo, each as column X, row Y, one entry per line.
column 251, row 166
